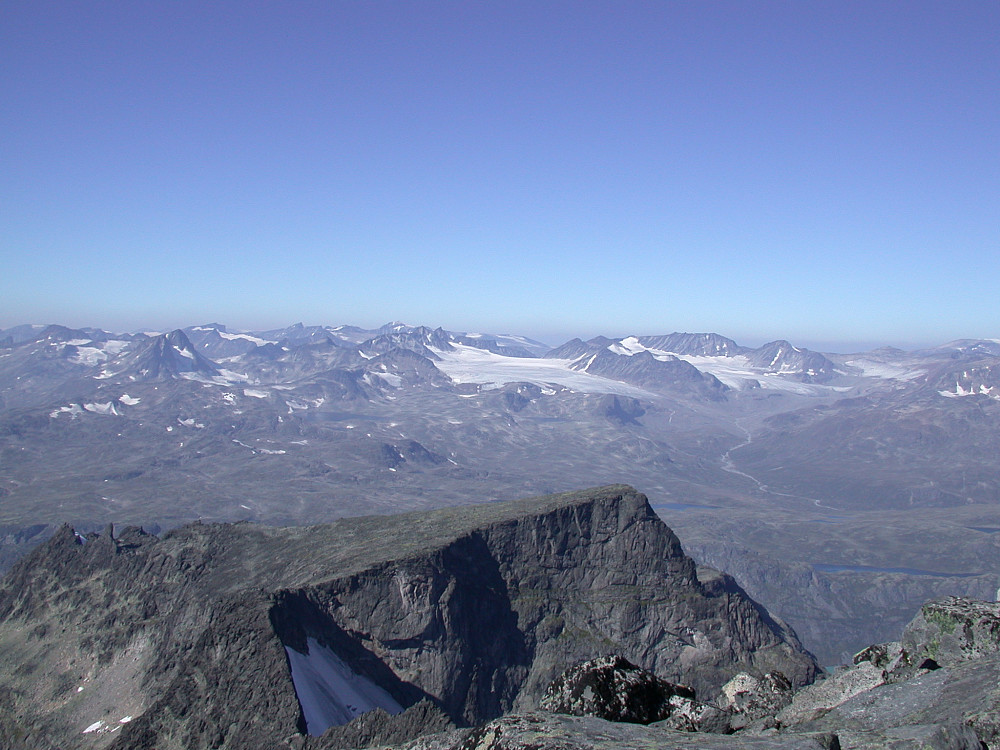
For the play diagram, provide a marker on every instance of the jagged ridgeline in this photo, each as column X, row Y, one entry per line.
column 244, row 636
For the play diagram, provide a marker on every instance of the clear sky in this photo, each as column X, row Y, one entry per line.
column 817, row 171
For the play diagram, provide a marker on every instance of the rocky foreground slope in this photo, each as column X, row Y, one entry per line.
column 238, row 636
column 936, row 689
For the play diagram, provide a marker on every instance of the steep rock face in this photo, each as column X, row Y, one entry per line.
column 475, row 609
column 579, row 589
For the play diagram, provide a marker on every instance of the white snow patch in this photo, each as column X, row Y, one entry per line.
column 270, row 452
column 94, row 727
column 467, row 364
column 330, row 692
column 394, row 380
column 959, row 391
column 125, row 720
column 225, row 377
column 74, row 411
column 872, row 368
column 107, row 409
column 228, row 377
column 89, row 355
column 253, row 393
column 245, row 337
column 115, row 346
column 629, row 346
column 129, row 400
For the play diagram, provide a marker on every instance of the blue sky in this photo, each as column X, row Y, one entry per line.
column 827, row 172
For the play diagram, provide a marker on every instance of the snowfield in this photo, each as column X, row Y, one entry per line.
column 467, row 364
column 330, row 692
column 873, row 368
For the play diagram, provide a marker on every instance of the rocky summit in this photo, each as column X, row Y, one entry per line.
column 894, row 696
column 364, row 631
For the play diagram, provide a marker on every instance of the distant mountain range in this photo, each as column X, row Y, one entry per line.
column 704, row 363
column 776, row 463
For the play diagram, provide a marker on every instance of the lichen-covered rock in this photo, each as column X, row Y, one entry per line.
column 817, row 699
column 932, row 711
column 883, row 655
column 953, row 630
column 749, row 698
column 896, row 696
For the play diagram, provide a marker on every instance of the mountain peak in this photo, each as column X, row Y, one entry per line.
column 163, row 357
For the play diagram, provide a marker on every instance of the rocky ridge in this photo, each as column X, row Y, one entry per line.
column 459, row 616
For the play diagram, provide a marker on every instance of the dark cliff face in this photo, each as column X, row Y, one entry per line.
column 476, row 609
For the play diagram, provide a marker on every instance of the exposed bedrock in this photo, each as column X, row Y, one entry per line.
column 469, row 612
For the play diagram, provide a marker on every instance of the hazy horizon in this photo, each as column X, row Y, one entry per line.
column 552, row 339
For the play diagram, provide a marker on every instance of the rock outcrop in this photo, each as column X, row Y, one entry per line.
column 899, row 695
column 545, row 731
column 613, row 688
column 227, row 636
column 953, row 630
column 893, row 696
column 748, row 698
